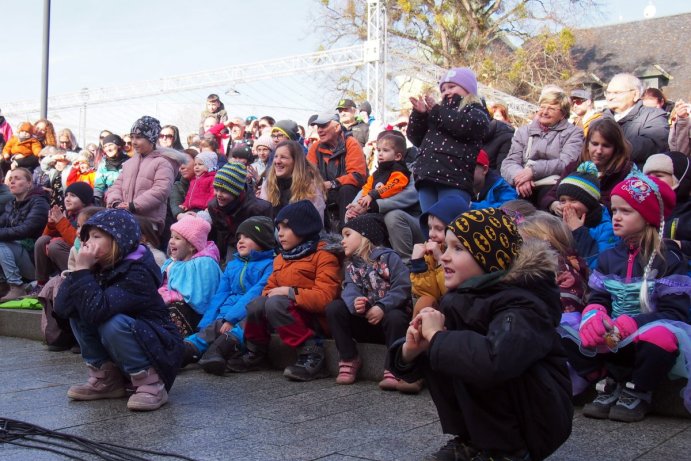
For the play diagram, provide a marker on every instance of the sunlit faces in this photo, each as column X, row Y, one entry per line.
column 287, row 238
column 351, row 241
column 199, row 167
column 437, row 229
column 187, row 168
column 576, row 205
column 213, row 106
column 600, row 150
column 223, row 197
column 283, row 163
column 40, row 130
column 208, row 123
column 64, row 143
column 246, row 245
column 140, row 144
column 626, row 222
column 347, row 115
column 84, row 167
column 18, row 183
column 386, row 152
column 102, row 242
column 666, row 177
column 263, row 153
column 166, row 137
column 179, row 248
column 620, row 95
column 549, row 114
column 450, row 89
column 328, row 133
column 458, row 264
column 73, row 203
column 110, row 149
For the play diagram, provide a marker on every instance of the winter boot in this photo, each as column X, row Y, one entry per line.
column 454, row 450
column 309, row 365
column 105, row 382
column 190, row 354
column 632, row 405
column 254, row 359
column 151, row 393
column 214, row 359
column 15, row 292
column 389, row 382
column 347, row 370
column 608, row 392
column 410, row 388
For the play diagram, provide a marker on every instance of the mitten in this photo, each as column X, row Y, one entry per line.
column 626, row 326
column 594, row 325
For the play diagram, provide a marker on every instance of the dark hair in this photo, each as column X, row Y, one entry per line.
column 609, row 129
column 399, row 144
column 148, row 231
column 655, row 94
column 209, row 142
column 177, row 144
column 87, row 212
column 270, row 120
column 213, row 97
column 242, row 151
column 191, row 152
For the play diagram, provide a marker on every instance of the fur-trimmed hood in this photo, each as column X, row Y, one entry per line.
column 536, row 260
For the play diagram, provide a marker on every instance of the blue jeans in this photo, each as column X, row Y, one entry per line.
column 429, row 195
column 113, row 340
column 16, row 263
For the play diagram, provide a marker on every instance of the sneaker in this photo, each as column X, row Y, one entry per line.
column 454, row 450
column 632, row 405
column 249, row 361
column 608, row 392
column 309, row 365
column 347, row 370
column 34, row 291
column 389, row 382
column 410, row 388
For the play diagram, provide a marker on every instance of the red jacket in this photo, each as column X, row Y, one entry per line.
column 200, row 192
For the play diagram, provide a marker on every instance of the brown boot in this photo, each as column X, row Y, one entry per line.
column 15, row 292
column 104, row 383
column 151, row 392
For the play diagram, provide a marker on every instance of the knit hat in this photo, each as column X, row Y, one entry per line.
column 114, row 139
column 119, row 224
column 582, row 185
column 491, row 237
column 302, row 218
column 147, row 127
column 646, row 194
column 288, row 128
column 231, row 178
column 673, row 163
column 265, row 140
column 194, row 230
column 482, row 158
column 210, row 159
column 446, row 209
column 242, row 151
column 83, row 191
column 260, row 229
column 369, row 225
column 26, row 126
column 461, row 76
column 365, row 107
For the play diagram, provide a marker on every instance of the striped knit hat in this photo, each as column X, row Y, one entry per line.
column 582, row 185
column 231, row 178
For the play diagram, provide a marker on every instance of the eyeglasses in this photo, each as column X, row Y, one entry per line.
column 550, row 109
column 64, row 141
column 277, row 135
column 165, row 136
column 617, row 93
column 577, row 101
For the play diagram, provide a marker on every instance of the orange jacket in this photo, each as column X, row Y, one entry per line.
column 345, row 163
column 62, row 229
column 315, row 278
column 396, row 183
column 77, row 176
column 29, row 147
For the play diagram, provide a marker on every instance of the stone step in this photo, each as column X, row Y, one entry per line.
column 27, row 324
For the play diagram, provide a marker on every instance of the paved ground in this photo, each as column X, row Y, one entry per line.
column 261, row 416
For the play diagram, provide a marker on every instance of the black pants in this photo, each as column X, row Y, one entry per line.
column 642, row 363
column 346, row 328
column 336, row 202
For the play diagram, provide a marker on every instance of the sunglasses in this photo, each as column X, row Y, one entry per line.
column 166, row 136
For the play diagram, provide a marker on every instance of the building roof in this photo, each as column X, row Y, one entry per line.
column 639, row 47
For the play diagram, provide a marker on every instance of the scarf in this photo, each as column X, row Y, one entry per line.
column 114, row 163
column 306, row 248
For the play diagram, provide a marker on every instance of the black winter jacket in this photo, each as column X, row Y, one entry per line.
column 647, row 130
column 497, row 143
column 25, row 219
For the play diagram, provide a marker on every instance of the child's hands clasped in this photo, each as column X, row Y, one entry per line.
column 360, row 304
column 420, row 332
column 374, row 315
column 279, row 291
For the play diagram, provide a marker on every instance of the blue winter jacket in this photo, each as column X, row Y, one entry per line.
column 591, row 241
column 495, row 193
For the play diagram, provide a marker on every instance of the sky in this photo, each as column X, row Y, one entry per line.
column 101, row 43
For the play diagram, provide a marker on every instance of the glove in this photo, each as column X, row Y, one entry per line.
column 626, row 326
column 594, row 325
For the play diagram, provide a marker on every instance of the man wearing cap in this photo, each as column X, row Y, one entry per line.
column 645, row 128
column 341, row 162
column 347, row 113
column 583, row 109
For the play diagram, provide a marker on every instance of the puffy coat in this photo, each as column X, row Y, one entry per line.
column 497, row 142
column 200, row 191
column 592, row 239
column 25, row 219
column 550, row 152
column 647, row 130
column 495, row 193
column 345, row 163
column 449, row 140
column 145, row 183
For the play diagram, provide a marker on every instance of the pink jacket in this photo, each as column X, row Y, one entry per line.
column 145, row 182
column 200, row 192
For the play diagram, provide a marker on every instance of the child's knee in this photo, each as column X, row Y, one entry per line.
column 115, row 326
column 660, row 337
column 256, row 307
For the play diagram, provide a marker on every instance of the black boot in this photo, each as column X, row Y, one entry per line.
column 214, row 359
column 190, row 355
column 309, row 365
column 254, row 359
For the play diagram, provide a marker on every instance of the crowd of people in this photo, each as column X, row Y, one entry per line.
column 506, row 268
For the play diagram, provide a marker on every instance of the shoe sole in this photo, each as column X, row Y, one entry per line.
column 320, row 375
column 136, row 406
column 625, row 416
column 86, row 397
column 596, row 412
column 217, row 368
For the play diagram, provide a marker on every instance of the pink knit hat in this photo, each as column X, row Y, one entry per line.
column 648, row 195
column 194, row 230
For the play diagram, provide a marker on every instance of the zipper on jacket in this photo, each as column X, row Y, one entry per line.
column 629, row 265
column 507, row 323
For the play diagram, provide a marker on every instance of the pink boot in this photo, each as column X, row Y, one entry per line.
column 104, row 383
column 151, row 392
column 347, row 370
column 389, row 382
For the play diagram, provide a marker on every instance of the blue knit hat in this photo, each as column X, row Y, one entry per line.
column 446, row 209
column 231, row 178
column 302, row 218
